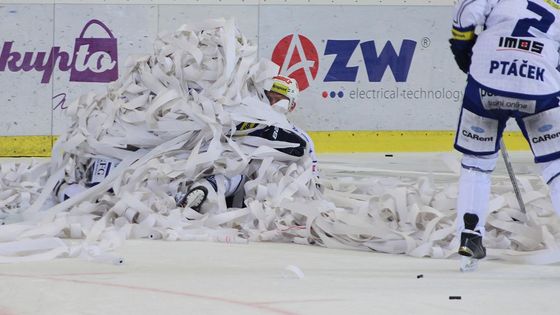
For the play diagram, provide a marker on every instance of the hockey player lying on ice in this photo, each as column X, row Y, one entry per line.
column 282, row 97
column 512, row 73
column 202, row 195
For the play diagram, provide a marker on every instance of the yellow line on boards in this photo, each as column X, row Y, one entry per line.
column 28, row 146
column 397, row 141
column 325, row 142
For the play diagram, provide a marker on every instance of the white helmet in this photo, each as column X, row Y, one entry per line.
column 288, row 88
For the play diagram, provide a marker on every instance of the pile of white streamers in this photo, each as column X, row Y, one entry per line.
column 170, row 120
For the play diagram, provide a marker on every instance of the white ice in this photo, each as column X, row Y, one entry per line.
column 160, row 277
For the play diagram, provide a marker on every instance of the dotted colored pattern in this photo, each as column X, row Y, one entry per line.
column 332, row 94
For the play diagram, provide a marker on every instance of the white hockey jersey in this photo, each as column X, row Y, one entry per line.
column 517, row 51
column 310, row 148
column 259, row 130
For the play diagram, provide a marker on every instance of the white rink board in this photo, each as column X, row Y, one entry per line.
column 134, row 27
column 350, row 39
column 31, row 101
column 25, row 102
column 171, row 17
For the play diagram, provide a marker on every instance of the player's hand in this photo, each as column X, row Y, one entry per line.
column 462, row 51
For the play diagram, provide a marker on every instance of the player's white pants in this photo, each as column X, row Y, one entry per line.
column 475, row 182
column 67, row 191
column 551, row 175
column 474, row 188
column 219, row 188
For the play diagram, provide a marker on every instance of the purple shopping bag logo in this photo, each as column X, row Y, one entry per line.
column 96, row 59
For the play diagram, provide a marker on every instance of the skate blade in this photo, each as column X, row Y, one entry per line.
column 468, row 264
column 195, row 200
column 196, row 197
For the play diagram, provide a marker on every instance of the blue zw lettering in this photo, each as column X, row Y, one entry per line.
column 376, row 63
column 339, row 71
column 517, row 69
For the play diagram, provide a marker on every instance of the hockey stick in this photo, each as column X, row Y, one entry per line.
column 512, row 176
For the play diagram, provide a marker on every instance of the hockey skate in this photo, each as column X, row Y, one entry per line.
column 471, row 248
column 194, row 198
column 64, row 191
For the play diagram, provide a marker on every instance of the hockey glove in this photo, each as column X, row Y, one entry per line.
column 462, row 51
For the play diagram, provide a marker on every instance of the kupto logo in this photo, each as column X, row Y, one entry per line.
column 297, row 57
column 93, row 59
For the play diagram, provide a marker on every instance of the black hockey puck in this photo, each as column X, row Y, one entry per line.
column 419, row 276
column 388, row 155
column 454, row 297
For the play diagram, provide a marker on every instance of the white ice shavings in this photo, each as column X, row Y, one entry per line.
column 169, row 119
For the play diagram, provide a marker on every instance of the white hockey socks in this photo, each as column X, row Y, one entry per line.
column 234, row 191
column 214, row 194
column 554, row 187
column 474, row 189
column 551, row 175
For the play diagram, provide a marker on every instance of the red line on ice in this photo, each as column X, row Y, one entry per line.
column 147, row 289
column 297, row 301
column 5, row 311
column 84, row 274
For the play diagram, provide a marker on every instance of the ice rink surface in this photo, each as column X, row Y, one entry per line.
column 159, row 277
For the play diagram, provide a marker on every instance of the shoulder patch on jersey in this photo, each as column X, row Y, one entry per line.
column 246, row 126
column 462, row 34
column 553, row 3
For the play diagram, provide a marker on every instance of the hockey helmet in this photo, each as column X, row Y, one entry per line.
column 283, row 93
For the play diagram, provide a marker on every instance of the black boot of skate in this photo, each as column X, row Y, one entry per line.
column 471, row 240
column 471, row 248
column 471, row 245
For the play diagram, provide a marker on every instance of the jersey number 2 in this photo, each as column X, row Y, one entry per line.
column 522, row 27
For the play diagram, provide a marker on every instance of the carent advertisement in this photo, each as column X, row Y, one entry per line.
column 382, row 73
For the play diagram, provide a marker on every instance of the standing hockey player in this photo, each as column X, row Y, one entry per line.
column 282, row 97
column 512, row 72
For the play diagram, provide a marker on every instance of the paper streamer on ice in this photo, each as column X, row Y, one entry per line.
column 170, row 119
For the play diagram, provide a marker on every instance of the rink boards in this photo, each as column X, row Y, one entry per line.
column 376, row 76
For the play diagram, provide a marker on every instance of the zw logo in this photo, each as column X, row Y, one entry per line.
column 521, row 44
column 297, row 57
column 93, row 59
column 545, row 128
column 375, row 63
column 477, row 129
